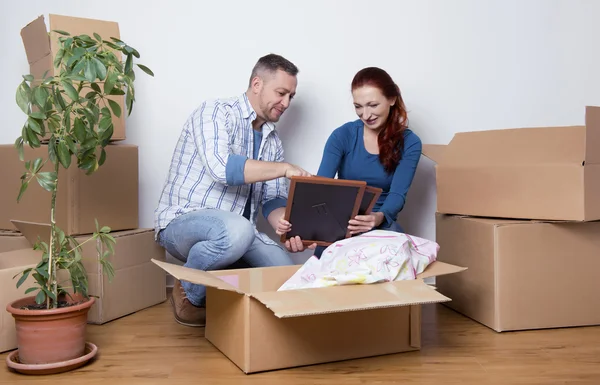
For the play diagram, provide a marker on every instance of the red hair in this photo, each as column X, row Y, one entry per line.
column 391, row 137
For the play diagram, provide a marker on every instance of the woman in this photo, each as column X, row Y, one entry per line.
column 377, row 148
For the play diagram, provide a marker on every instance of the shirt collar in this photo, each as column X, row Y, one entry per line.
column 249, row 113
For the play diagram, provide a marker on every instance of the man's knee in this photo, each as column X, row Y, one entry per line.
column 236, row 235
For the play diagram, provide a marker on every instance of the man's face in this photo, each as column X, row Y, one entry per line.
column 275, row 92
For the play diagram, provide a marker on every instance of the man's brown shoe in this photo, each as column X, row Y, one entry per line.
column 186, row 313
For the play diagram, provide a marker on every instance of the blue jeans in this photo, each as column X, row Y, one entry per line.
column 394, row 226
column 212, row 239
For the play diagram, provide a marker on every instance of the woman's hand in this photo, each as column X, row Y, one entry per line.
column 364, row 223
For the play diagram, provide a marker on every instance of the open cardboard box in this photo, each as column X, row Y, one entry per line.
column 259, row 328
column 41, row 49
column 550, row 173
column 138, row 283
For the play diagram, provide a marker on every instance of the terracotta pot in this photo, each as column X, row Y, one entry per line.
column 49, row 336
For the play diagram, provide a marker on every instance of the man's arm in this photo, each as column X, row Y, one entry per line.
column 259, row 171
column 211, row 131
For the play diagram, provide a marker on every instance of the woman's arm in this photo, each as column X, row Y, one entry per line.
column 333, row 154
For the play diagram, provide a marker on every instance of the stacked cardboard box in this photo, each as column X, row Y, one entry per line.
column 110, row 195
column 520, row 209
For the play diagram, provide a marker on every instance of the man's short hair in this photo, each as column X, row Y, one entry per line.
column 271, row 63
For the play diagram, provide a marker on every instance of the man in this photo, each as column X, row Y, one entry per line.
column 228, row 162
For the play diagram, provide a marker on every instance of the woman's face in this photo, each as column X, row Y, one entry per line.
column 371, row 106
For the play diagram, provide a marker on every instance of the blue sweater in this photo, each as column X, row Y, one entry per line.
column 346, row 155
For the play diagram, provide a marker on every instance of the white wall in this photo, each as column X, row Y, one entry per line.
column 461, row 65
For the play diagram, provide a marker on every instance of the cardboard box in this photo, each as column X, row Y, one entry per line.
column 12, row 240
column 41, row 49
column 138, row 283
column 259, row 328
column 110, row 194
column 550, row 173
column 13, row 260
column 521, row 274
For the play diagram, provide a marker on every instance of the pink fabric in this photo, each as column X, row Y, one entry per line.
column 375, row 256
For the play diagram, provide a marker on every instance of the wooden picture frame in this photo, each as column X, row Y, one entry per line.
column 369, row 200
column 319, row 208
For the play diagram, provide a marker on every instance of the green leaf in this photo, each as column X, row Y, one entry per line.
column 70, row 90
column 105, row 122
column 129, row 101
column 129, row 63
column 32, row 138
column 116, row 91
column 47, row 180
column 52, row 149
column 49, row 293
column 40, row 298
column 105, row 229
column 58, row 57
column 115, row 107
column 43, row 272
column 22, row 190
column 96, row 88
column 29, row 78
column 62, row 32
column 145, row 69
column 23, row 277
column 100, row 69
column 23, row 97
column 80, row 132
column 107, row 134
column 37, row 165
column 90, row 71
column 110, row 82
column 71, row 145
column 97, row 37
column 102, row 157
column 64, row 156
column 31, row 289
column 19, row 147
column 38, row 115
column 77, row 54
column 80, row 66
column 34, row 125
column 105, row 112
column 40, row 94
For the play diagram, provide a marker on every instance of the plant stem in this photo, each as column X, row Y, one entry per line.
column 53, row 255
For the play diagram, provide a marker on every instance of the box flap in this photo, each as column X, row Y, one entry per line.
column 517, row 146
column 592, row 135
column 434, row 151
column 31, row 231
column 336, row 299
column 200, row 277
column 36, row 40
column 438, row 268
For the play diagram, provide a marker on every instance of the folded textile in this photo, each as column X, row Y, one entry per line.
column 375, row 256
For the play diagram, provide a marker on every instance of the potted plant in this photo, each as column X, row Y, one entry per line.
column 72, row 112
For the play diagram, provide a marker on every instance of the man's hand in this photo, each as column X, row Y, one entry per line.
column 293, row 170
column 364, row 223
column 281, row 226
column 295, row 245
